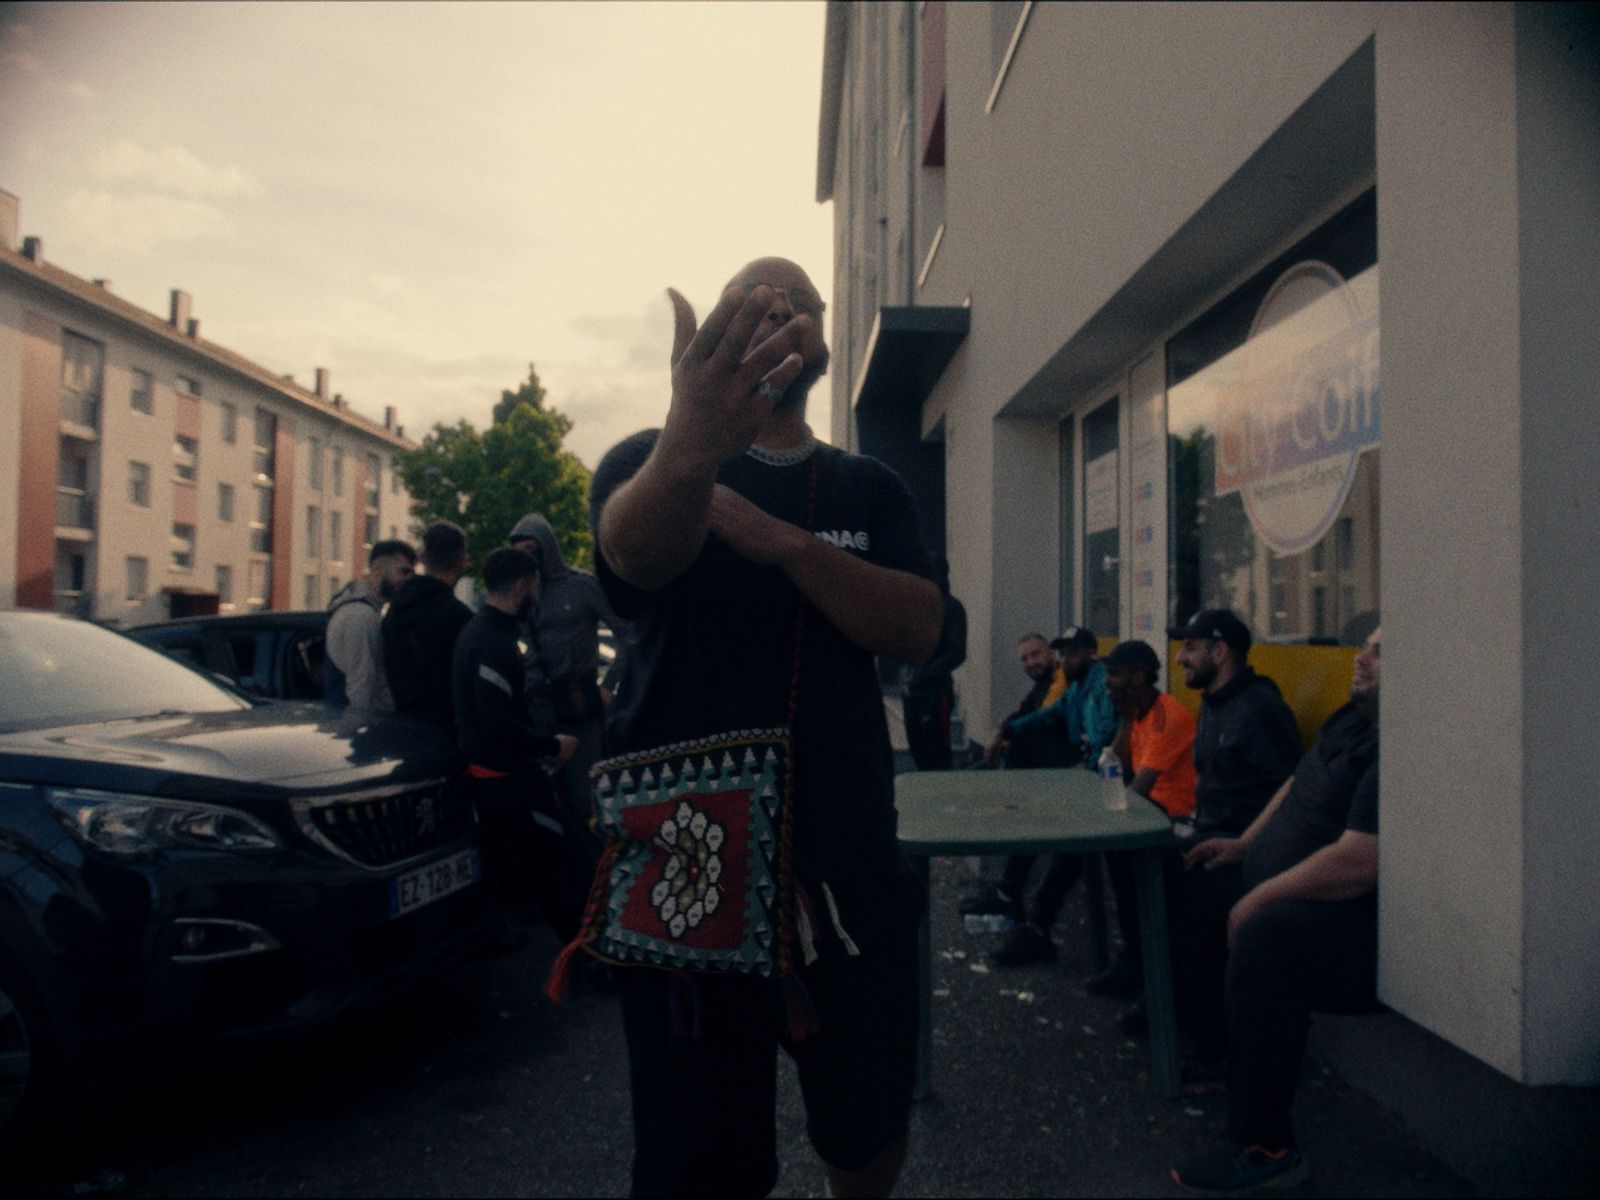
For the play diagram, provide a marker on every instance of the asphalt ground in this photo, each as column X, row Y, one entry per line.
column 474, row 1084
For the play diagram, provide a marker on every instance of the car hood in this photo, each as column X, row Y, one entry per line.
column 270, row 750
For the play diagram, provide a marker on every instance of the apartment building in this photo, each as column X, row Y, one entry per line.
column 146, row 472
column 1120, row 282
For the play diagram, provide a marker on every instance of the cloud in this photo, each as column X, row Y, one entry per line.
column 17, row 58
column 139, row 223
column 636, row 342
column 172, row 169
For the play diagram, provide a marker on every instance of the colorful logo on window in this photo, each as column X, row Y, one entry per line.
column 1303, row 404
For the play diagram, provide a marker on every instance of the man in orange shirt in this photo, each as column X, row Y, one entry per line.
column 1155, row 741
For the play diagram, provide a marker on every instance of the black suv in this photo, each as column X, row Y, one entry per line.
column 182, row 865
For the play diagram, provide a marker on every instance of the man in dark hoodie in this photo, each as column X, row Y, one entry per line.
column 421, row 627
column 563, row 653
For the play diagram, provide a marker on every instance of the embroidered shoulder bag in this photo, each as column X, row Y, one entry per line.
column 698, row 870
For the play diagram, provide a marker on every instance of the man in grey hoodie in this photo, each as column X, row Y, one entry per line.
column 563, row 650
column 353, row 671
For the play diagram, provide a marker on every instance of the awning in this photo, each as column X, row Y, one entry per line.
column 908, row 350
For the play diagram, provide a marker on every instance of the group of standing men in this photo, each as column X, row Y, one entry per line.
column 498, row 683
column 1271, row 881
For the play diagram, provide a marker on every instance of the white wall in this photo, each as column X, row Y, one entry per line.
column 1451, row 852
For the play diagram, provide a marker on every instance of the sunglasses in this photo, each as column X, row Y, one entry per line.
column 800, row 298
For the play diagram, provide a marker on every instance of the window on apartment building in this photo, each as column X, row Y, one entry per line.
column 225, row 502
column 336, row 536
column 224, row 585
column 394, row 483
column 74, row 508
column 314, row 459
column 374, row 479
column 338, row 471
column 137, row 570
column 334, row 584
column 187, row 385
column 313, row 531
column 185, row 458
column 82, row 373
column 142, row 396
column 230, row 423
column 266, row 435
column 182, row 546
column 139, row 484
column 369, row 534
column 1274, row 449
column 259, row 583
column 71, row 581
column 313, row 597
column 261, row 522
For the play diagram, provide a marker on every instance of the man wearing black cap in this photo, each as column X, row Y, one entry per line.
column 1078, row 726
column 1246, row 744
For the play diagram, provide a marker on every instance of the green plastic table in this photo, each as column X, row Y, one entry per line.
column 1041, row 812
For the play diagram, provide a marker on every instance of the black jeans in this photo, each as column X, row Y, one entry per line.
column 1198, row 903
column 525, row 862
column 1293, row 958
column 1059, row 876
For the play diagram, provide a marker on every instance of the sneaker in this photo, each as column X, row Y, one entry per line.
column 1024, row 945
column 1120, row 979
column 1203, row 1079
column 1232, row 1169
column 991, row 902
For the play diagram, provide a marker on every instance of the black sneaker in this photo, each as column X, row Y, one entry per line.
column 1234, row 1169
column 991, row 902
column 1024, row 945
column 1120, row 979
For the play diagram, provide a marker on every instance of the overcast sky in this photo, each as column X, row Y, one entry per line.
column 424, row 198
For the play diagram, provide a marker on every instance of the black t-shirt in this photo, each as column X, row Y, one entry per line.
column 712, row 651
column 1335, row 788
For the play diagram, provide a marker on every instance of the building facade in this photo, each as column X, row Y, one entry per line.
column 1116, row 286
column 148, row 473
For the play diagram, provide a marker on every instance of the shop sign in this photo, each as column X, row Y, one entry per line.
column 1303, row 405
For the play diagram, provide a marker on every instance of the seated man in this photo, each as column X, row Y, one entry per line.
column 1303, row 935
column 1074, row 729
column 1156, row 744
column 1246, row 744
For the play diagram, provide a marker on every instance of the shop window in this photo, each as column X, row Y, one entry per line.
column 1273, row 439
column 1102, row 524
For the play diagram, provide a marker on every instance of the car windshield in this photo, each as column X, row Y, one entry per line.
column 59, row 671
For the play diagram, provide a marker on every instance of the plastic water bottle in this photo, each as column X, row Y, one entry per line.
column 1112, row 794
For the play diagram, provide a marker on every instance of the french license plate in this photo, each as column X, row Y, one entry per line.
column 433, row 881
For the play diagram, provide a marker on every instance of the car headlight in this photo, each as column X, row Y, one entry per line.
column 129, row 825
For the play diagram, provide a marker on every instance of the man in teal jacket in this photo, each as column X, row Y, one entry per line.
column 1082, row 721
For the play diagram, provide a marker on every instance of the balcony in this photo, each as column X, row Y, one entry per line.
column 80, row 412
column 74, row 514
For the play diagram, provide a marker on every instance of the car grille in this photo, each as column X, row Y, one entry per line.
column 382, row 830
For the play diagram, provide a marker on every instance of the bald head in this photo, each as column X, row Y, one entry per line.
column 796, row 296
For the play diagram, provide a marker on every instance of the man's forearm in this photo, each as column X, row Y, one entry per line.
column 654, row 525
column 884, row 611
column 1256, row 826
column 1342, row 871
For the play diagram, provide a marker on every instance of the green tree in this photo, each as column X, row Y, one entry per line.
column 485, row 481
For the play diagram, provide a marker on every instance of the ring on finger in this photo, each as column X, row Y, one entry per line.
column 768, row 391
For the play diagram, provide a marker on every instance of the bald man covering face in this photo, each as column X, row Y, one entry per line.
column 699, row 531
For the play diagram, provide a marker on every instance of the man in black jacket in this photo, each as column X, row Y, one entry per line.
column 1246, row 744
column 518, row 816
column 421, row 627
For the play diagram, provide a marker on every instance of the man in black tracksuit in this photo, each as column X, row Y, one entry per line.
column 518, row 816
column 421, row 627
column 1246, row 744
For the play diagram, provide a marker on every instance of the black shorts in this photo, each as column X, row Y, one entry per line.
column 704, row 1104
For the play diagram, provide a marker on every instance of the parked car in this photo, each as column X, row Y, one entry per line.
column 183, row 866
column 277, row 655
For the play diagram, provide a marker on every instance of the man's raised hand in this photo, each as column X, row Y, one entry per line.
column 722, row 395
